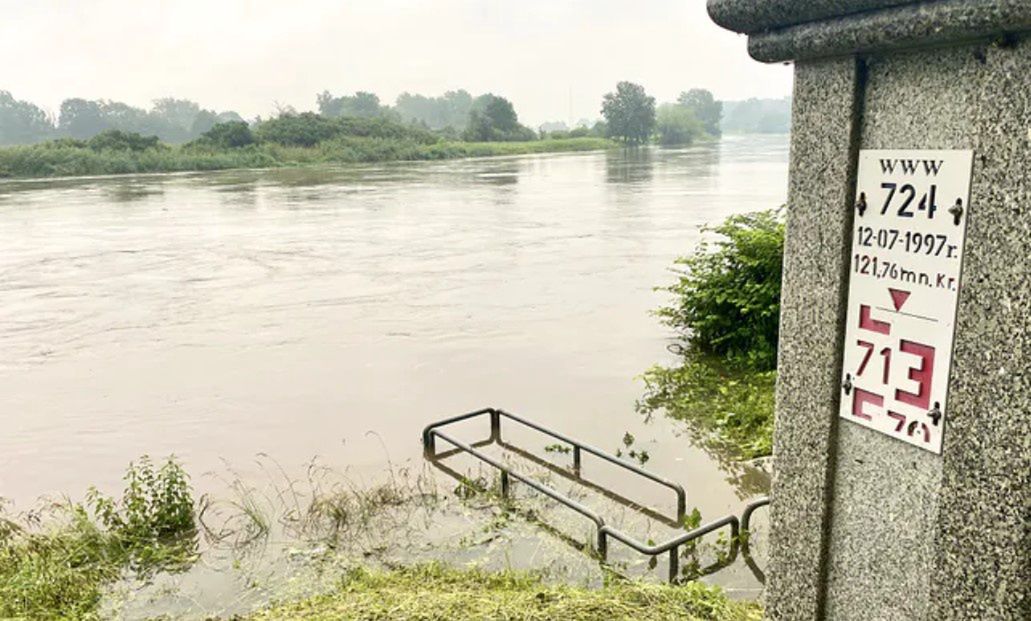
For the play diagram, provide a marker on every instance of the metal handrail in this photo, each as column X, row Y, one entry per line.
column 604, row 531
column 495, row 434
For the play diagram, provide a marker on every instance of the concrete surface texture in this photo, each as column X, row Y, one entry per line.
column 864, row 526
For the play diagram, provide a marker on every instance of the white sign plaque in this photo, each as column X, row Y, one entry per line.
column 907, row 248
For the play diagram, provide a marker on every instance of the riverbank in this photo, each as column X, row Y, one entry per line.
column 92, row 559
column 64, row 158
column 434, row 592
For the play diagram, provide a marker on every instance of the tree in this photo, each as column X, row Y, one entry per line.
column 180, row 112
column 629, row 113
column 204, row 121
column 705, row 108
column 81, row 119
column 22, row 122
column 361, row 104
column 494, row 118
column 449, row 110
column 499, row 112
column 676, row 125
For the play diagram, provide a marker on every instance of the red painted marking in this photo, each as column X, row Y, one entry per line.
column 900, row 418
column 868, row 323
column 898, row 297
column 866, row 358
column 922, row 375
column 913, row 427
column 862, row 397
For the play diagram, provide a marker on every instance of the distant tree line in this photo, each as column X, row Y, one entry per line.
column 757, row 116
column 630, row 116
column 171, row 120
column 455, row 115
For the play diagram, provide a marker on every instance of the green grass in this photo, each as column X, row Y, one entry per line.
column 63, row 159
column 733, row 403
column 433, row 592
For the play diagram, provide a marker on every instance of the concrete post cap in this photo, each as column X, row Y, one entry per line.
column 781, row 30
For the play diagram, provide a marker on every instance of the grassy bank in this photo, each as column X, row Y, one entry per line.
column 74, row 158
column 433, row 592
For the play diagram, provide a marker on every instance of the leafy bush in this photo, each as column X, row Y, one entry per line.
column 726, row 308
column 117, row 140
column 231, row 135
column 156, row 506
column 727, row 296
column 298, row 130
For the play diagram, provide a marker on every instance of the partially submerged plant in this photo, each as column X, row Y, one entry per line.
column 58, row 561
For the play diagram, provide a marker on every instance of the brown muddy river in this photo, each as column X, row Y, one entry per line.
column 334, row 312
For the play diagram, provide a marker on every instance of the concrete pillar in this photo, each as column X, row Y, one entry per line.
column 865, row 526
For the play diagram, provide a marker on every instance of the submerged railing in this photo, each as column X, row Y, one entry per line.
column 604, row 532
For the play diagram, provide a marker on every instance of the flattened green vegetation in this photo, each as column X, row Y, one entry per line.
column 433, row 592
column 734, row 404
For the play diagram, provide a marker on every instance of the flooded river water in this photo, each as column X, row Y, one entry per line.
column 334, row 312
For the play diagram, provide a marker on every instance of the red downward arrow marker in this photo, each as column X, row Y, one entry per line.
column 898, row 297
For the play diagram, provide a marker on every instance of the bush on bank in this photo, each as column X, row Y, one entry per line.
column 726, row 300
column 726, row 312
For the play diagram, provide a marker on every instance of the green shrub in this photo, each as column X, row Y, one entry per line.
column 156, row 506
column 231, row 135
column 726, row 308
column 117, row 140
column 727, row 296
column 297, row 130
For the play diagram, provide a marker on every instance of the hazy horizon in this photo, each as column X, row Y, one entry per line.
column 553, row 60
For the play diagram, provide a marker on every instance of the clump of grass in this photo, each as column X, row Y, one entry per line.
column 57, row 562
column 558, row 448
column 433, row 592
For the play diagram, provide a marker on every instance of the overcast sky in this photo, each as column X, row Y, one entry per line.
column 553, row 58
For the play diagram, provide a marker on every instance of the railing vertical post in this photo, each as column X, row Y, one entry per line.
column 576, row 460
column 504, row 484
column 674, row 563
column 495, row 425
